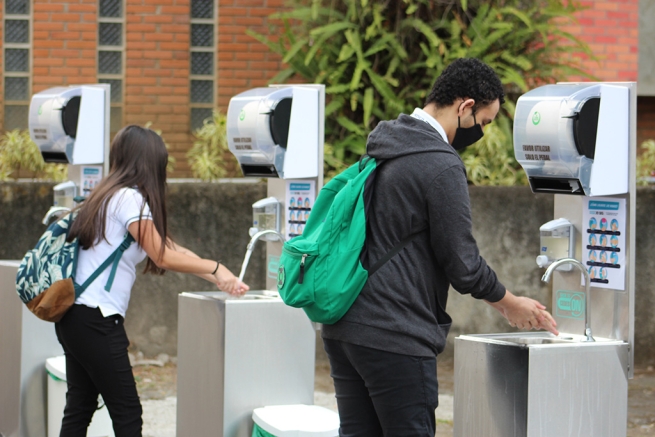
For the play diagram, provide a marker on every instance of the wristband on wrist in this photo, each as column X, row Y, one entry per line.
column 218, row 263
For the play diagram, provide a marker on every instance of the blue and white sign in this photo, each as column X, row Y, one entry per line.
column 300, row 198
column 603, row 241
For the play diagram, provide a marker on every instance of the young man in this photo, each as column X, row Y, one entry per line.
column 383, row 351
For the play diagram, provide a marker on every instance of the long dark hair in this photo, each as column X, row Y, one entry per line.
column 137, row 159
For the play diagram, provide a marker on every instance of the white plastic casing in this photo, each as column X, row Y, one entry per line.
column 251, row 141
column 544, row 142
column 47, row 131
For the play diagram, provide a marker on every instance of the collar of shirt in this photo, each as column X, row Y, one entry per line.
column 424, row 116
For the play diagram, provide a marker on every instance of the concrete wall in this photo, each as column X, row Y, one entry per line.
column 213, row 220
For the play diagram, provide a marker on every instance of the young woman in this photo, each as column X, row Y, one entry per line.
column 130, row 199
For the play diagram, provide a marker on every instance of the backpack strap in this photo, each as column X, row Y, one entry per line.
column 393, row 252
column 113, row 259
column 368, row 200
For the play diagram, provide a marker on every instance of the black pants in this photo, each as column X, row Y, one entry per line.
column 381, row 393
column 97, row 362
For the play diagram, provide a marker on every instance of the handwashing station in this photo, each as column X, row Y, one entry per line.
column 576, row 141
column 70, row 125
column 246, row 364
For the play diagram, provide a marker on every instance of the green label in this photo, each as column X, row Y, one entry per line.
column 570, row 304
column 242, row 115
column 536, row 118
column 281, row 276
column 273, row 265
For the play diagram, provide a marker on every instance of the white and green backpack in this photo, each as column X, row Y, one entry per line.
column 45, row 281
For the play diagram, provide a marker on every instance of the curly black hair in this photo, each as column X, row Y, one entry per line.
column 467, row 78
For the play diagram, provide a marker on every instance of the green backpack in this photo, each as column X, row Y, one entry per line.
column 320, row 271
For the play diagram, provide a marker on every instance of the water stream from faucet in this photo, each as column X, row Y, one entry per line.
column 244, row 265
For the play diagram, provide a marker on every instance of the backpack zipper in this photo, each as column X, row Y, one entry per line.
column 301, row 276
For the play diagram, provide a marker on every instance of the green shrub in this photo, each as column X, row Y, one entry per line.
column 210, row 158
column 20, row 155
column 646, row 162
column 378, row 59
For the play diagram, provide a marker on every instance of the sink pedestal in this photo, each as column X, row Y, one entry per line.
column 536, row 385
column 238, row 354
column 26, row 342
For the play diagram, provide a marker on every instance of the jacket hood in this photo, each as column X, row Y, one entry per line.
column 405, row 136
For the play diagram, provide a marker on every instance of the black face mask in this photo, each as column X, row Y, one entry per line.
column 465, row 136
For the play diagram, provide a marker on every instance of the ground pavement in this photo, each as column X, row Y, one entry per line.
column 157, row 387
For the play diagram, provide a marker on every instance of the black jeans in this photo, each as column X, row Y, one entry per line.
column 381, row 393
column 97, row 362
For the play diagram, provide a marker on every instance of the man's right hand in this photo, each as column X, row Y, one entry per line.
column 525, row 313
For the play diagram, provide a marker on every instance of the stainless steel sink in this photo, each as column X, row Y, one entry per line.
column 521, row 340
column 535, row 384
column 249, row 296
column 536, row 339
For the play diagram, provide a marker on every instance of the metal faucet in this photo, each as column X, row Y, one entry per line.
column 587, row 310
column 54, row 211
column 251, row 247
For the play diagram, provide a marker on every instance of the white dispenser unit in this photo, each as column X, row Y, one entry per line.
column 557, row 242
column 68, row 124
column 274, row 132
column 65, row 194
column 266, row 216
column 573, row 138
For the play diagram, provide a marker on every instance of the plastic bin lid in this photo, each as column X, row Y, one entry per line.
column 297, row 420
column 56, row 366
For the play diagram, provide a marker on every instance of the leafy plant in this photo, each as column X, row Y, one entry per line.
column 490, row 161
column 378, row 59
column 646, row 163
column 210, row 158
column 19, row 154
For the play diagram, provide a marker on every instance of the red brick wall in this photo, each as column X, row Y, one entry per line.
column 64, row 43
column 157, row 72
column 611, row 28
column 157, row 55
column 243, row 62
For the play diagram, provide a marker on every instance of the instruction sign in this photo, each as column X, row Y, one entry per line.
column 603, row 241
column 300, row 198
column 91, row 176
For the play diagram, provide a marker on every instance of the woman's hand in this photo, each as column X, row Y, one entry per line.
column 226, row 281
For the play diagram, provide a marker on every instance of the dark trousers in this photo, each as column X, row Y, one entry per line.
column 381, row 393
column 97, row 362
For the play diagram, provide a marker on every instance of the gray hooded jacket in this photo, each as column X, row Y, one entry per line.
column 422, row 185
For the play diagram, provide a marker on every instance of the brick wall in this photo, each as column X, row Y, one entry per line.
column 611, row 29
column 157, row 72
column 157, row 47
column 243, row 62
column 64, row 43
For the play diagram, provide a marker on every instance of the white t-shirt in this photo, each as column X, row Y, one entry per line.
column 123, row 209
column 424, row 116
